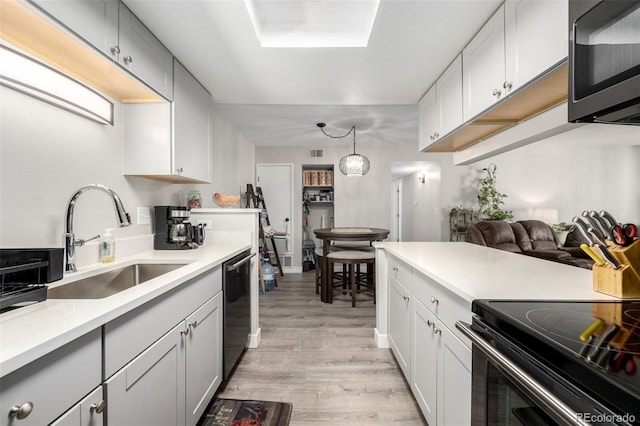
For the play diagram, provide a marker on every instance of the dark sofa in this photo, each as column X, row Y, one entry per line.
column 529, row 237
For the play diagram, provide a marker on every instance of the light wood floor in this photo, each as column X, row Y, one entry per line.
column 322, row 358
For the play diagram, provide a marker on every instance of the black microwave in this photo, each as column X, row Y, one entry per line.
column 604, row 61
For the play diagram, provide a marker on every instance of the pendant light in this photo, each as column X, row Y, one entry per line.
column 352, row 164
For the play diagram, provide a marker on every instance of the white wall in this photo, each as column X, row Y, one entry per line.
column 47, row 153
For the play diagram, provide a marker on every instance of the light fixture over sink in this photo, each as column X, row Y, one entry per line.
column 352, row 164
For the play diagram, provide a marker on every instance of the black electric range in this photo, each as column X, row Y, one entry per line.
column 592, row 345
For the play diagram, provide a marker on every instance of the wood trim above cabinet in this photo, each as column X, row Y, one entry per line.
column 27, row 29
column 547, row 91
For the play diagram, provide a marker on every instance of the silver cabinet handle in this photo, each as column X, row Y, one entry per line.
column 21, row 411
column 515, row 373
column 127, row 59
column 97, row 407
column 496, row 92
column 430, row 323
column 437, row 330
column 406, row 298
column 193, row 324
column 507, row 85
column 179, row 170
column 184, row 332
column 115, row 50
column 436, row 135
column 434, row 300
column 395, row 269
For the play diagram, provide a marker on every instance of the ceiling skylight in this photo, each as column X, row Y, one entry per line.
column 313, row 23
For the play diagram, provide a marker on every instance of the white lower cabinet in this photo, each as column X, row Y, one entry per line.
column 88, row 412
column 47, row 388
column 149, row 390
column 172, row 381
column 435, row 362
column 425, row 353
column 453, row 378
column 400, row 323
column 203, row 359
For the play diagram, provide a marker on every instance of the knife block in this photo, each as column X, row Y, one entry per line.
column 625, row 281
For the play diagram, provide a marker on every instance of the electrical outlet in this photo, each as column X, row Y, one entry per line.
column 206, row 222
column 144, row 216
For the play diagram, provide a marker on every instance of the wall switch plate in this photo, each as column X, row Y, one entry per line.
column 144, row 216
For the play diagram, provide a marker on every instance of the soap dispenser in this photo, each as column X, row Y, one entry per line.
column 108, row 247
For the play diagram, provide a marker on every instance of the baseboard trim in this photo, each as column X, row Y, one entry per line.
column 382, row 340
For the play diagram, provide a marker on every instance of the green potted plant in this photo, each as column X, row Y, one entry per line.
column 560, row 232
column 490, row 199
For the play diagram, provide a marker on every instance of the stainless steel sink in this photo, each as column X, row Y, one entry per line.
column 112, row 282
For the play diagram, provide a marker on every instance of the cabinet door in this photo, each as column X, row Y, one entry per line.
column 454, row 380
column 449, row 95
column 143, row 54
column 203, row 357
column 429, row 118
column 424, row 357
column 87, row 412
column 77, row 365
column 150, row 389
column 484, row 67
column 534, row 26
column 400, row 324
column 192, row 127
column 94, row 21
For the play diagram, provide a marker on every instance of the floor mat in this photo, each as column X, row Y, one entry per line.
column 235, row 412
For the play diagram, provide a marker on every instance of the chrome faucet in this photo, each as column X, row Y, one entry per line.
column 70, row 242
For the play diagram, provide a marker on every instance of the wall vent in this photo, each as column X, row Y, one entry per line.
column 316, row 153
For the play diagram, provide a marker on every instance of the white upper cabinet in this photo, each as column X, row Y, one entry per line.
column 192, row 126
column 484, row 67
column 171, row 141
column 440, row 109
column 449, row 96
column 522, row 40
column 95, row 21
column 143, row 55
column 429, row 118
column 536, row 38
column 112, row 29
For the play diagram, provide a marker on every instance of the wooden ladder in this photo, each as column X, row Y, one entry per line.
column 257, row 199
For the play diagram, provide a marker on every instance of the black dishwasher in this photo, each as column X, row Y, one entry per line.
column 237, row 308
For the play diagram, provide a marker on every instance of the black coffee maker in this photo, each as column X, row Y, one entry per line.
column 173, row 231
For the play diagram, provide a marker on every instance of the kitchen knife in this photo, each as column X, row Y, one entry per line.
column 602, row 225
column 582, row 229
column 606, row 255
column 596, row 235
column 589, row 221
column 605, row 214
column 596, row 258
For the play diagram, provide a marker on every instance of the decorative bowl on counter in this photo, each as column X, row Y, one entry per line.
column 226, row 201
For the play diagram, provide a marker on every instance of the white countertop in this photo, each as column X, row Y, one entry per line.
column 475, row 272
column 30, row 332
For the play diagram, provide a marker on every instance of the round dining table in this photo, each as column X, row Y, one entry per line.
column 327, row 235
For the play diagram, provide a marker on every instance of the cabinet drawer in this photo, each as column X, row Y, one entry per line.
column 53, row 383
column 130, row 334
column 448, row 307
column 399, row 270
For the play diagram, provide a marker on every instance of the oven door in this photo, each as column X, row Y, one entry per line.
column 506, row 393
column 604, row 61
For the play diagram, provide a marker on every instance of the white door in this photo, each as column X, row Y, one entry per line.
column 276, row 181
